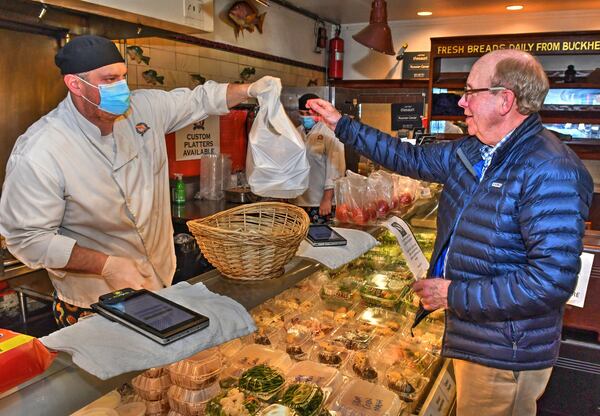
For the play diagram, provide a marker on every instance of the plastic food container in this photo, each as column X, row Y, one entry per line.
column 276, row 410
column 339, row 293
column 385, row 322
column 191, row 402
column 363, row 365
column 380, row 290
column 251, row 355
column 407, row 382
column 132, row 409
column 174, row 413
column 234, row 402
column 230, row 348
column 398, row 351
column 268, row 335
column 269, row 315
column 154, row 372
column 324, row 376
column 197, row 371
column 361, row 398
column 319, row 329
column 306, row 399
column 298, row 342
column 296, row 300
column 262, row 381
column 157, row 407
column 354, row 336
column 329, row 353
column 334, row 316
column 151, row 388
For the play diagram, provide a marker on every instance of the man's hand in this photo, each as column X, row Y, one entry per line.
column 122, row 272
column 433, row 293
column 262, row 85
column 325, row 205
column 327, row 112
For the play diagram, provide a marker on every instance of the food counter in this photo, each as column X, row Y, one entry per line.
column 64, row 388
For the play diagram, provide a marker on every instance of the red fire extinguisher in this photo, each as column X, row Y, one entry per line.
column 336, row 57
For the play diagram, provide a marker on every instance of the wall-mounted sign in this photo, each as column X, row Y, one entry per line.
column 536, row 44
column 198, row 139
column 415, row 65
column 407, row 115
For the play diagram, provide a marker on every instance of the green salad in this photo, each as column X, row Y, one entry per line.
column 305, row 398
column 262, row 381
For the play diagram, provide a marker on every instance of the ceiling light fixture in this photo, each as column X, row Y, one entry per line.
column 424, row 13
column 377, row 35
column 514, row 7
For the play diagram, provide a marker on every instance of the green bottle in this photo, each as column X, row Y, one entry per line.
column 179, row 189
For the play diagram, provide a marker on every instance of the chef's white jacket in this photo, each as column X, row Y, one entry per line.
column 62, row 187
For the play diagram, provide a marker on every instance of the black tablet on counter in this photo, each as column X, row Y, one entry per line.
column 151, row 315
column 320, row 235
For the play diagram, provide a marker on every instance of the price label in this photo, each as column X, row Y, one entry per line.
column 578, row 298
column 417, row 263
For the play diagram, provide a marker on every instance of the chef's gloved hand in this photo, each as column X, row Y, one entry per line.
column 262, row 85
column 122, row 272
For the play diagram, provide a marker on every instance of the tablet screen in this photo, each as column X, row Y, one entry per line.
column 151, row 311
column 323, row 233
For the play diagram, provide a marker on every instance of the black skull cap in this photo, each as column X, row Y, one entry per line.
column 86, row 53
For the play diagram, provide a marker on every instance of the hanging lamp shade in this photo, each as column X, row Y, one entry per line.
column 377, row 35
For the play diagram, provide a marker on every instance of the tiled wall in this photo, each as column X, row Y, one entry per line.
column 178, row 61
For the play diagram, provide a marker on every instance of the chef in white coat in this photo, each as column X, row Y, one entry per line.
column 326, row 159
column 86, row 193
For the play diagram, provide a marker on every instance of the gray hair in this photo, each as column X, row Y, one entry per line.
column 83, row 75
column 525, row 77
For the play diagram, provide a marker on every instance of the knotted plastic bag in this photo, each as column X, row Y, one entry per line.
column 276, row 162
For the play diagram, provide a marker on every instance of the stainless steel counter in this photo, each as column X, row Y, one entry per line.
column 65, row 388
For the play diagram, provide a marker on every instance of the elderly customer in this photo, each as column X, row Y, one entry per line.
column 88, row 182
column 509, row 234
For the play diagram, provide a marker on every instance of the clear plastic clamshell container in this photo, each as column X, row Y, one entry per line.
column 341, row 292
column 361, row 398
column 268, row 335
column 385, row 322
column 276, row 410
column 191, row 402
column 306, row 399
column 262, row 381
column 151, row 388
column 233, row 402
column 197, row 371
column 269, row 315
column 381, row 290
column 354, row 336
column 406, row 353
column 298, row 341
column 328, row 378
column 329, row 353
column 363, row 364
column 157, row 407
column 296, row 299
column 407, row 382
column 230, row 348
column 251, row 355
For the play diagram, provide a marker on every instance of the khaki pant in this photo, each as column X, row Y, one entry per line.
column 482, row 390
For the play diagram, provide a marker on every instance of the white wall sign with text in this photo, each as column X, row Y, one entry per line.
column 198, row 139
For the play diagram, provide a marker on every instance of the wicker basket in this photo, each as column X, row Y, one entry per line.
column 251, row 242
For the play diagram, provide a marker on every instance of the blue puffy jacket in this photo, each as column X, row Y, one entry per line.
column 514, row 239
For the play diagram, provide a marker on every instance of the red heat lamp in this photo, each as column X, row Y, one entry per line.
column 377, row 35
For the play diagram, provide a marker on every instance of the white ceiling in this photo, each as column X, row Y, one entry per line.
column 357, row 11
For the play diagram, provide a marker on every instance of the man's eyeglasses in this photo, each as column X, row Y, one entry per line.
column 469, row 91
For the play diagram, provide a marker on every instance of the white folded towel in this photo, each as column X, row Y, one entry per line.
column 107, row 349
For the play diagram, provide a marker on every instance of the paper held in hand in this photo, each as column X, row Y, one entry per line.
column 578, row 297
column 417, row 263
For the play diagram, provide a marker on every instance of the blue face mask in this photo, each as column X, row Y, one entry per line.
column 114, row 98
column 308, row 122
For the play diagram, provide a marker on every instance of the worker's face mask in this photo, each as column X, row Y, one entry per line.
column 308, row 122
column 114, row 98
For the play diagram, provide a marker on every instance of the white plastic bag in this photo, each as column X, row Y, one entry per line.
column 276, row 162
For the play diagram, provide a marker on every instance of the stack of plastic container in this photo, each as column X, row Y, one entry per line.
column 195, row 382
column 152, row 386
